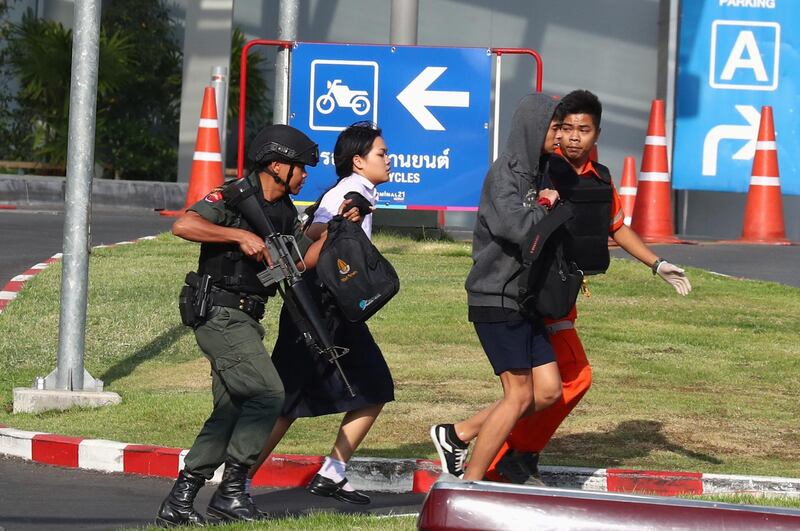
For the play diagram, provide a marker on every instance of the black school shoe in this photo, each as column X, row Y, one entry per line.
column 322, row 486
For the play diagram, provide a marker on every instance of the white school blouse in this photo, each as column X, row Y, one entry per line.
column 333, row 198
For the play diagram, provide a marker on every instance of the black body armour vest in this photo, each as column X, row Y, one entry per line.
column 586, row 234
column 230, row 269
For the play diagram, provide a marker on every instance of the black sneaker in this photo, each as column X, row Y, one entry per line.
column 452, row 450
column 521, row 468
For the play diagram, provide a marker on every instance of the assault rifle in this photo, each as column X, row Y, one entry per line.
column 284, row 274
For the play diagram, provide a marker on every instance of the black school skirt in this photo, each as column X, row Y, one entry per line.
column 313, row 386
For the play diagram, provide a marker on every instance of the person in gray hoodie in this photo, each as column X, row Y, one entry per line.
column 517, row 347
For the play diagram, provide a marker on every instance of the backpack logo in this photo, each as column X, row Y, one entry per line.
column 363, row 303
column 345, row 271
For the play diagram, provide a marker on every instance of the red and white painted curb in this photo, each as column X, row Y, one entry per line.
column 15, row 285
column 370, row 473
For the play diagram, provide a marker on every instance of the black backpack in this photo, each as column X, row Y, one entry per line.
column 548, row 283
column 355, row 273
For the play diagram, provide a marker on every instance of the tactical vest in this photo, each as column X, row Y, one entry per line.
column 586, row 234
column 230, row 269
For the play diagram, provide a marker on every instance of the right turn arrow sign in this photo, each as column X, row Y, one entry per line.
column 732, row 132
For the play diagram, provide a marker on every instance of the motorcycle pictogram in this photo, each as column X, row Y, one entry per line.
column 342, row 96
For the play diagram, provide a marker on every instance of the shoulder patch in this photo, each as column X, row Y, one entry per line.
column 214, row 196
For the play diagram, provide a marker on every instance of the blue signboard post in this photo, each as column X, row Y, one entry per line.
column 734, row 57
column 432, row 104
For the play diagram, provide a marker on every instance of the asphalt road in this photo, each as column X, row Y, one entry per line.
column 777, row 263
column 41, row 497
column 28, row 236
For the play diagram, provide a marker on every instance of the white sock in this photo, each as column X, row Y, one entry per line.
column 333, row 469
column 248, row 486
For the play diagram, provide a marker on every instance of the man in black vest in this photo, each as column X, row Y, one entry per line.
column 248, row 394
column 597, row 206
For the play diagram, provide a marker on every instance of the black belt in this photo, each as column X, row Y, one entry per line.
column 248, row 304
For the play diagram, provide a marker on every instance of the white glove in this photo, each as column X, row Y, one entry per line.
column 675, row 276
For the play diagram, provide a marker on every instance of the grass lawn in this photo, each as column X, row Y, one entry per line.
column 703, row 383
column 322, row 521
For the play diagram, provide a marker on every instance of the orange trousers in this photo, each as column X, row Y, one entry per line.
column 532, row 433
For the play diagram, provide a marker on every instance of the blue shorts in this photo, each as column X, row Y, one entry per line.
column 511, row 345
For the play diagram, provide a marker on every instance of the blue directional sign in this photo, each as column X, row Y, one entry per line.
column 432, row 104
column 734, row 57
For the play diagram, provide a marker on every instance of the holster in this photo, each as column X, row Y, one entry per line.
column 193, row 301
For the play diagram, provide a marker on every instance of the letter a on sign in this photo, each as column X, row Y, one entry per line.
column 745, row 55
column 746, row 42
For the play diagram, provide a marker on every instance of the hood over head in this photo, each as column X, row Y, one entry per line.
column 528, row 131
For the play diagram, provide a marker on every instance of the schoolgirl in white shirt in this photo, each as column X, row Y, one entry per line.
column 313, row 387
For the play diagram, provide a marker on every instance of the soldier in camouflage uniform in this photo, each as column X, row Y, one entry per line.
column 248, row 393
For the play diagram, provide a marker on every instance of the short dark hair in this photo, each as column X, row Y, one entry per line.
column 355, row 140
column 580, row 102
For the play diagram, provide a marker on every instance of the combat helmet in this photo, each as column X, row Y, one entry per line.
column 282, row 143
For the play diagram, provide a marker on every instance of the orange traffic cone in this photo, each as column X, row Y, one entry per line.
column 763, row 214
column 627, row 190
column 207, row 161
column 652, row 212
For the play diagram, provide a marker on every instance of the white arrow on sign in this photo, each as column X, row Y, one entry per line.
column 732, row 132
column 416, row 98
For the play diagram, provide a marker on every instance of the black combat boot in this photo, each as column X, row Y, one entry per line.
column 178, row 507
column 231, row 501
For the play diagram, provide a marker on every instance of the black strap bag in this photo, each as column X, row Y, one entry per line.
column 548, row 283
column 355, row 273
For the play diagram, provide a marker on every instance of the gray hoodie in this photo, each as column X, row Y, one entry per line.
column 505, row 218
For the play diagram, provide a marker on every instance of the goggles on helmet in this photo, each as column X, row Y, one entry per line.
column 309, row 156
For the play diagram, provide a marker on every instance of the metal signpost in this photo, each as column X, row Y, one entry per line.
column 219, row 81
column 70, row 373
column 70, row 384
column 735, row 57
column 433, row 105
column 287, row 31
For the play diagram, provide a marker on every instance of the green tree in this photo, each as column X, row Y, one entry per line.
column 139, row 86
column 140, row 132
column 8, row 134
column 39, row 55
column 138, row 90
